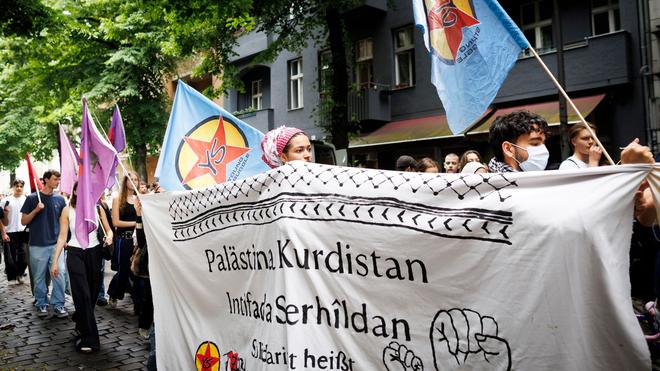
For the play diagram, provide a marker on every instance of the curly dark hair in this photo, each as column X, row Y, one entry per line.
column 509, row 127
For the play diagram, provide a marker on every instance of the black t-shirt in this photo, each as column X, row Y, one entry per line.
column 127, row 213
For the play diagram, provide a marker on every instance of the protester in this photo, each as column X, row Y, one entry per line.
column 144, row 187
column 469, row 156
column 585, row 151
column 16, row 237
column 146, row 316
column 123, row 219
column 83, row 266
column 285, row 144
column 43, row 219
column 518, row 142
column 474, row 168
column 103, row 208
column 406, row 163
column 451, row 163
column 427, row 165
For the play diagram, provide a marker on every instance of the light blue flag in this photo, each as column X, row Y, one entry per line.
column 205, row 145
column 473, row 46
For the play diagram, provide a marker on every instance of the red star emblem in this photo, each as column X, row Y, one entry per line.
column 213, row 156
column 206, row 360
column 444, row 15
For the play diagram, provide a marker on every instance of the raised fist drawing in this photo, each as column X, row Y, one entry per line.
column 465, row 338
column 397, row 357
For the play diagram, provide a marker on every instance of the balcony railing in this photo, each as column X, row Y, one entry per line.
column 371, row 103
column 594, row 62
column 263, row 120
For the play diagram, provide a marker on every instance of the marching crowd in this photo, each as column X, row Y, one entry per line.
column 38, row 230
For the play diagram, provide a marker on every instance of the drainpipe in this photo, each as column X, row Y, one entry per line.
column 561, row 77
column 645, row 73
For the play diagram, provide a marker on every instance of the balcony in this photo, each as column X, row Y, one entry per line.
column 262, row 120
column 596, row 62
column 251, row 44
column 369, row 104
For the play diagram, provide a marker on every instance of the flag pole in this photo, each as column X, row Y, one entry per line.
column 38, row 190
column 563, row 92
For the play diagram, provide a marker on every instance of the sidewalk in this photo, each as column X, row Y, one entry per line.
column 29, row 342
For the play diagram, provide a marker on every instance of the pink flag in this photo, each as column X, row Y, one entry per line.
column 68, row 163
column 96, row 162
column 117, row 137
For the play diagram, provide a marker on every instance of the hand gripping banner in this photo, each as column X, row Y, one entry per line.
column 312, row 267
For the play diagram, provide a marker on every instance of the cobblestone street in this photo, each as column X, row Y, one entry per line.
column 28, row 342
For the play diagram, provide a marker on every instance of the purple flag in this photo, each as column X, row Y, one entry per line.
column 69, row 161
column 117, row 137
column 96, row 161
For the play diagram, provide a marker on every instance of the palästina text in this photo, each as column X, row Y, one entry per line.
column 338, row 260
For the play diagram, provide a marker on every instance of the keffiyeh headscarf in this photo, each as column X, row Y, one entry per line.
column 274, row 142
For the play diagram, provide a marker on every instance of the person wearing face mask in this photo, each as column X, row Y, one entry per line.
column 518, row 142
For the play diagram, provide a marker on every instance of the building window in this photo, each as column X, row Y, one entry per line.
column 404, row 58
column 257, row 94
column 295, row 84
column 364, row 53
column 605, row 16
column 325, row 73
column 536, row 24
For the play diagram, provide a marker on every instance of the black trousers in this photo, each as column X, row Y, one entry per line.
column 146, row 317
column 16, row 255
column 83, row 266
column 121, row 280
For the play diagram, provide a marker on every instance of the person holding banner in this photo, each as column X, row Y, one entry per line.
column 41, row 213
column 585, row 151
column 518, row 143
column 83, row 267
column 123, row 219
column 285, row 144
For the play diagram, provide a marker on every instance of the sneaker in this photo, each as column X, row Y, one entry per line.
column 113, row 303
column 42, row 311
column 101, row 302
column 144, row 333
column 83, row 348
column 61, row 312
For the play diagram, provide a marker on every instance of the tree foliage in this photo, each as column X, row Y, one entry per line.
column 211, row 29
column 107, row 50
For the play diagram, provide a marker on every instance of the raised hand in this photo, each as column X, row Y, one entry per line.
column 465, row 338
column 397, row 357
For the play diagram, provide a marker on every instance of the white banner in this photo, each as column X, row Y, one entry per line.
column 312, row 267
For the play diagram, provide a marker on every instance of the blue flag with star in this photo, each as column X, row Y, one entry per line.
column 205, row 145
column 473, row 45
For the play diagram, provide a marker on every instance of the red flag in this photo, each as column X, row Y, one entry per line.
column 34, row 179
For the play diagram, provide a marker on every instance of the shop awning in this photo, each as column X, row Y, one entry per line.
column 432, row 127
column 424, row 128
column 548, row 110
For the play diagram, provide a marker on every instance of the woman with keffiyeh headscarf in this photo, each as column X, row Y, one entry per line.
column 285, row 144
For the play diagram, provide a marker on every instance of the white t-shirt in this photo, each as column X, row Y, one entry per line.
column 573, row 163
column 15, row 205
column 92, row 237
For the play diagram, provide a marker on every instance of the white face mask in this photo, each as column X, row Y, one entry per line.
column 537, row 158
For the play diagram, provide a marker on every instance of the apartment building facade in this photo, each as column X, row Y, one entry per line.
column 607, row 67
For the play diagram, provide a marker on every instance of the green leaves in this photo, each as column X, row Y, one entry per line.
column 107, row 50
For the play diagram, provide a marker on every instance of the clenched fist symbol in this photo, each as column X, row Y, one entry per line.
column 397, row 357
column 463, row 337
